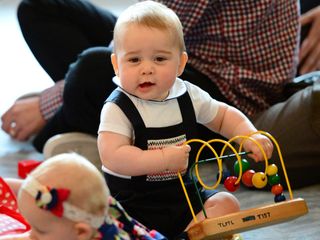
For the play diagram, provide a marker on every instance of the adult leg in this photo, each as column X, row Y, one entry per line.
column 58, row 30
column 295, row 124
column 88, row 83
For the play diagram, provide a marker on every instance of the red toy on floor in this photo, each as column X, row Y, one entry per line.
column 26, row 166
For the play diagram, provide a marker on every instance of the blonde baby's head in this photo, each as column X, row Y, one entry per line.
column 152, row 15
column 149, row 50
column 64, row 198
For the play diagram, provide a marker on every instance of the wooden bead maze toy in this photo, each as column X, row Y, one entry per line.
column 280, row 211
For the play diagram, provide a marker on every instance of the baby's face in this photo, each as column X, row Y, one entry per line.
column 147, row 61
column 44, row 225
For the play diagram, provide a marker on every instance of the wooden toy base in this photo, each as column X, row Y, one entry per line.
column 218, row 228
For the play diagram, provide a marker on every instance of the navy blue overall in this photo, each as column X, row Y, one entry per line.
column 158, row 203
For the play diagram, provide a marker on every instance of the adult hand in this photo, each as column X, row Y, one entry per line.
column 310, row 48
column 23, row 119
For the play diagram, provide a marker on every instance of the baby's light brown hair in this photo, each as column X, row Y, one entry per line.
column 153, row 15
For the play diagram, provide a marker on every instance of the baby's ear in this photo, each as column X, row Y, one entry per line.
column 84, row 231
column 183, row 62
column 114, row 63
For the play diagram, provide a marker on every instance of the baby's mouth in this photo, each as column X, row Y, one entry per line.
column 146, row 84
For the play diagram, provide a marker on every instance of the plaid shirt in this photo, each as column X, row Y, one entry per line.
column 51, row 100
column 248, row 48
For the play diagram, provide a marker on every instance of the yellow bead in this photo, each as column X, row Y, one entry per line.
column 272, row 170
column 259, row 180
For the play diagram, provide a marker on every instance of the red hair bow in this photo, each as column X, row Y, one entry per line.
column 52, row 200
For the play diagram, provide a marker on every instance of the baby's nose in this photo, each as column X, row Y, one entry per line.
column 147, row 69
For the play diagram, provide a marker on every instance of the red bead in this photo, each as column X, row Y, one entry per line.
column 247, row 178
column 230, row 185
column 225, row 173
column 277, row 189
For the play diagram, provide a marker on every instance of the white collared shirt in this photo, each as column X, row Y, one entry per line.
column 158, row 113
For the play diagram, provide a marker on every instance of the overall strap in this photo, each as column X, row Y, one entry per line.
column 188, row 116
column 131, row 112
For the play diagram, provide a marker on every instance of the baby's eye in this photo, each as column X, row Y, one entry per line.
column 160, row 59
column 134, row 60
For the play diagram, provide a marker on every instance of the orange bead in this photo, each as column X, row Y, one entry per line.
column 277, row 189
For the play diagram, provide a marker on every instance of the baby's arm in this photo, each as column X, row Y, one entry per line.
column 118, row 155
column 230, row 122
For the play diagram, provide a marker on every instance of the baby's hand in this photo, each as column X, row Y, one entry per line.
column 266, row 144
column 176, row 157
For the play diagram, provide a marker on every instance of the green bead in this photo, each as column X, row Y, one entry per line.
column 245, row 166
column 274, row 179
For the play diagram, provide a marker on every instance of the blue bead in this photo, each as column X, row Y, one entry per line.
column 279, row 198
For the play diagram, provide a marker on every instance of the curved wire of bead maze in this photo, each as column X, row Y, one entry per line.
column 194, row 166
